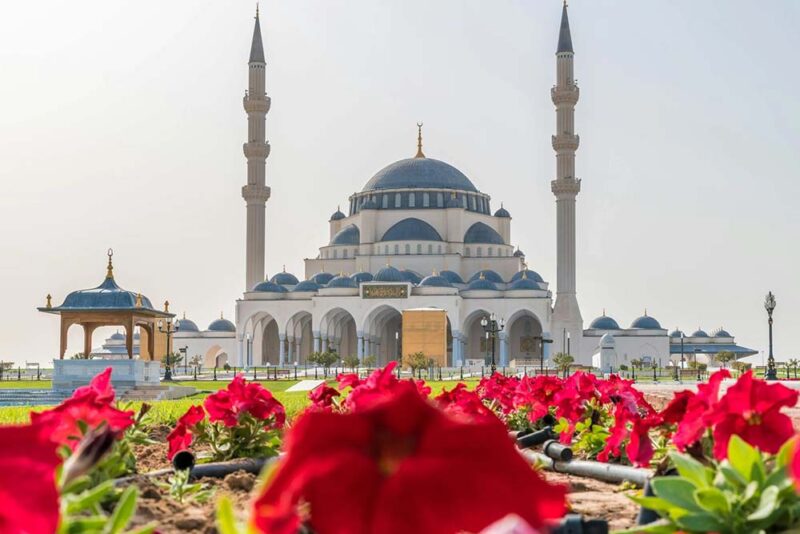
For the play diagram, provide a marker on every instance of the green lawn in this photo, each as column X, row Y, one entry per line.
column 24, row 384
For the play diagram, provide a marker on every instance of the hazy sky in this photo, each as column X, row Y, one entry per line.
column 122, row 124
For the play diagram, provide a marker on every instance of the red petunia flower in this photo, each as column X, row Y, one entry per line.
column 500, row 389
column 400, row 466
column 699, row 407
column 674, row 412
column 322, row 397
column 537, row 394
column 29, row 499
column 239, row 397
column 794, row 464
column 751, row 409
column 181, row 436
column 366, row 393
column 463, row 404
column 91, row 405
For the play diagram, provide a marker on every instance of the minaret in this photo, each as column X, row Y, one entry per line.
column 256, row 150
column 566, row 314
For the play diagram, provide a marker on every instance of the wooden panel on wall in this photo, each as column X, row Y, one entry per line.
column 425, row 331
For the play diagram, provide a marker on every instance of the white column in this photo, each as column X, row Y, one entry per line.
column 240, row 353
column 360, row 347
column 291, row 349
column 456, row 351
column 503, row 349
column 316, row 342
column 298, row 345
column 324, row 343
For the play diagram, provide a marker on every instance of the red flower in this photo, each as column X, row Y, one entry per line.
column 91, row 405
column 28, row 493
column 464, row 404
column 500, row 389
column 322, row 397
column 380, row 382
column 676, row 409
column 699, row 407
column 181, row 436
column 794, row 465
column 400, row 466
column 538, row 394
column 751, row 409
column 348, row 380
column 227, row 405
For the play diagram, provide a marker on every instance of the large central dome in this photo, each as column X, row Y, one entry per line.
column 421, row 173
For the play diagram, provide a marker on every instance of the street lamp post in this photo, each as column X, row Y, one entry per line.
column 492, row 327
column 168, row 329
column 249, row 355
column 544, row 340
column 183, row 350
column 696, row 365
column 769, row 305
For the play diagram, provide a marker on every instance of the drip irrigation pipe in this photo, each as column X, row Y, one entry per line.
column 600, row 471
column 214, row 469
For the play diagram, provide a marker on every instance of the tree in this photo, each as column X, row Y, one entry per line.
column 417, row 362
column 324, row 359
column 563, row 362
column 637, row 363
column 725, row 356
column 171, row 361
column 196, row 361
column 794, row 362
column 351, row 362
column 740, row 367
column 370, row 361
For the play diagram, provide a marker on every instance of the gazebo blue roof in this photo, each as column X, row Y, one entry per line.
column 711, row 348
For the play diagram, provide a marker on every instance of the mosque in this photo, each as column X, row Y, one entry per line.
column 421, row 235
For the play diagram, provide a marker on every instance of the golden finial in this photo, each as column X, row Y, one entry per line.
column 284, row 267
column 419, row 141
column 645, row 312
column 435, row 272
column 49, row 299
column 110, row 270
column 604, row 312
column 220, row 315
column 482, row 276
column 524, row 275
column 184, row 315
column 166, row 306
column 138, row 302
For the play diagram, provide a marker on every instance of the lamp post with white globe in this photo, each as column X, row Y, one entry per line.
column 492, row 327
column 769, row 305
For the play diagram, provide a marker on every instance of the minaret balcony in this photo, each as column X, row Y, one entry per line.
column 565, row 187
column 565, row 142
column 253, row 193
column 256, row 103
column 256, row 149
column 565, row 94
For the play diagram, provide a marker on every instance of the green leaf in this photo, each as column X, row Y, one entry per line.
column 662, row 526
column 743, row 457
column 677, row 491
column 784, row 456
column 733, row 476
column 767, row 504
column 653, row 503
column 88, row 499
column 691, row 469
column 226, row 524
column 122, row 512
column 702, row 522
column 147, row 529
column 81, row 525
column 750, row 491
column 712, row 500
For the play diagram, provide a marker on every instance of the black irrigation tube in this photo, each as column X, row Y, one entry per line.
column 600, row 471
column 213, row 469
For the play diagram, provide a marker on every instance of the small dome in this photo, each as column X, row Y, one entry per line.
column 187, row 325
column 285, row 279
column 411, row 229
column 306, row 286
column 519, row 254
column 116, row 336
column 721, row 333
column 362, row 277
column 224, row 325
column 411, row 276
column 699, row 333
column 426, row 173
column 645, row 322
column 607, row 341
column 676, row 333
column 349, row 235
column 527, row 273
column 482, row 284
column 342, row 281
column 525, row 283
column 337, row 215
column 269, row 287
column 106, row 295
column 435, row 280
column 452, row 277
column 322, row 278
column 484, row 234
column 604, row 322
column 389, row 274
column 489, row 275
column 503, row 213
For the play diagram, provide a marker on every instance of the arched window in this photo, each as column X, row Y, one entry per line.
column 440, row 249
column 344, row 253
column 412, row 200
column 408, row 249
column 397, row 200
column 464, row 201
column 397, row 249
column 385, row 201
column 468, row 251
column 419, row 248
column 472, row 203
column 335, row 254
column 480, row 252
column 430, row 249
column 440, row 200
column 426, row 200
column 490, row 251
column 386, row 249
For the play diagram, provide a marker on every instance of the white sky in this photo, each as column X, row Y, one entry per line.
column 121, row 126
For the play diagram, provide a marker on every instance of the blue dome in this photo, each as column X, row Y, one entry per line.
column 482, row 233
column 342, row 281
column 107, row 295
column 519, row 254
column 424, row 173
column 361, row 277
column 322, row 278
column 117, row 336
column 503, row 213
column 489, row 275
column 349, row 235
column 411, row 229
column 481, row 283
column 223, row 325
column 307, row 286
column 269, row 287
column 646, row 322
column 525, row 283
column 411, row 276
column 435, row 280
column 604, row 322
column 285, row 279
column 452, row 277
column 389, row 274
column 699, row 333
column 722, row 333
column 337, row 215
column 527, row 273
column 676, row 333
column 187, row 325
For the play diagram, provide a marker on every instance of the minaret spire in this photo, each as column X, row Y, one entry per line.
column 566, row 313
column 419, row 141
column 256, row 149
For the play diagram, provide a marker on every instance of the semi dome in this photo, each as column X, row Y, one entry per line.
column 519, row 254
column 645, row 322
column 435, row 280
column 361, row 277
column 481, row 284
column 342, row 281
column 269, row 287
column 349, row 235
column 722, row 333
column 699, row 333
column 482, row 233
column 187, row 325
column 607, row 341
column 427, row 173
column 452, row 277
column 411, row 229
column 223, row 325
column 322, row 278
column 389, row 274
column 502, row 213
column 489, row 275
column 285, row 279
column 306, row 286
column 337, row 215
column 525, row 283
column 604, row 322
column 527, row 273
